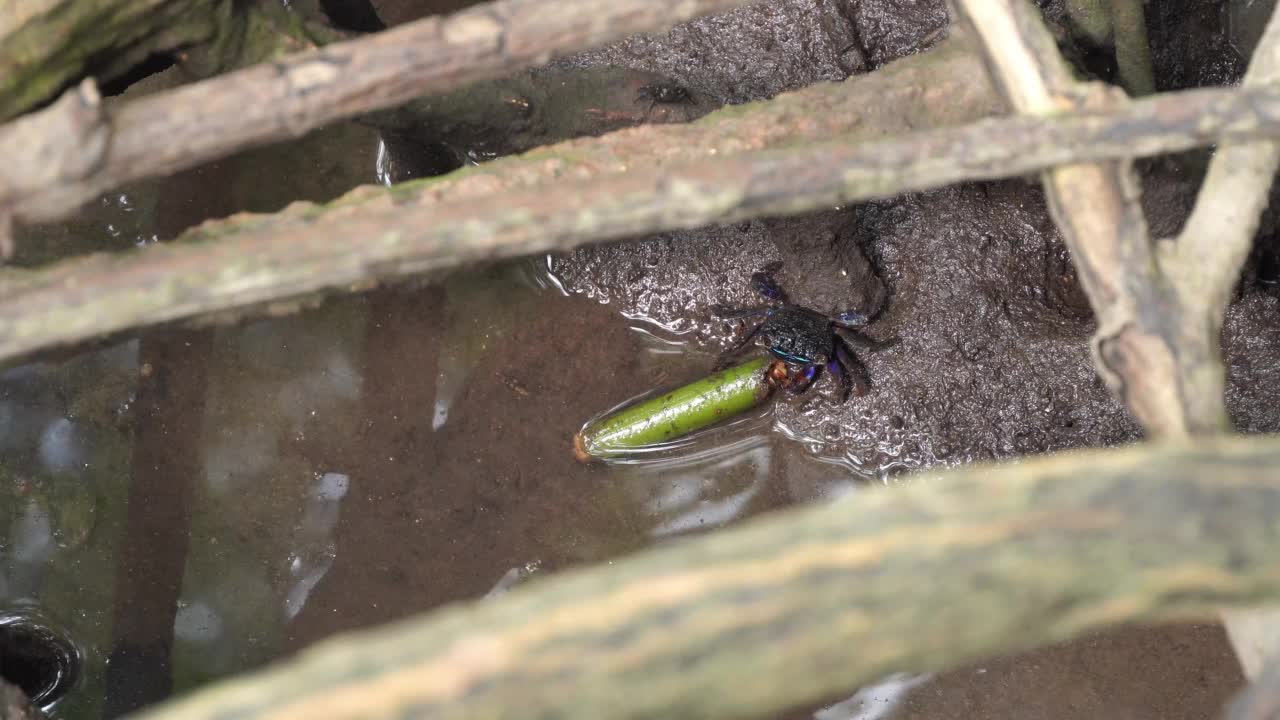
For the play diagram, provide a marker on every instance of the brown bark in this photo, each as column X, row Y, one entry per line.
column 1212, row 248
column 177, row 129
column 809, row 602
column 586, row 191
column 46, row 45
column 1155, row 346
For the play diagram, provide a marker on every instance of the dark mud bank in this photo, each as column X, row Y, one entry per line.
column 993, row 359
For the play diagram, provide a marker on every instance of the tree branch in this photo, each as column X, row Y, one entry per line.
column 1145, row 347
column 47, row 44
column 1213, row 246
column 560, row 197
column 178, row 129
column 810, row 602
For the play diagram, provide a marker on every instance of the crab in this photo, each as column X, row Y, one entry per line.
column 664, row 93
column 805, row 340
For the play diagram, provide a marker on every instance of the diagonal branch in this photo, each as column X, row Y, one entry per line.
column 563, row 196
column 48, row 44
column 1216, row 240
column 178, row 129
column 803, row 604
column 1162, row 370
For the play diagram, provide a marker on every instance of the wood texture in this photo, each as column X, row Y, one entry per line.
column 46, row 45
column 1156, row 344
column 178, row 129
column 752, row 161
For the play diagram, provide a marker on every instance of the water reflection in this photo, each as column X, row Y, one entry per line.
column 514, row 577
column 377, row 456
column 878, row 701
column 709, row 494
column 314, row 548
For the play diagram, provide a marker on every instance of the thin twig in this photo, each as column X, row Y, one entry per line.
column 1142, row 348
column 811, row 602
column 177, row 129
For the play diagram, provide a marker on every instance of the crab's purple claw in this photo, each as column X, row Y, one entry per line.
column 837, row 371
column 804, row 379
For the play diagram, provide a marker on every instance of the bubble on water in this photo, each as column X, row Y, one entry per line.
column 440, row 415
column 196, row 622
column 331, row 486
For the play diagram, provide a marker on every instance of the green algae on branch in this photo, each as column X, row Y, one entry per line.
column 650, row 424
column 46, row 45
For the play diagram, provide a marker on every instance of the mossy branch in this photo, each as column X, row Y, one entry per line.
column 46, row 45
column 809, row 602
column 177, row 129
column 631, row 182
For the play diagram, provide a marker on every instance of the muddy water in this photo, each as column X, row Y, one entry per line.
column 188, row 504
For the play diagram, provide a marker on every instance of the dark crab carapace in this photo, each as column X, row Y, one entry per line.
column 806, row 340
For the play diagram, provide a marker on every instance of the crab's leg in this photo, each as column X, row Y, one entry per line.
column 764, row 283
column 853, row 373
column 851, row 336
column 727, row 356
column 725, row 312
column 837, row 371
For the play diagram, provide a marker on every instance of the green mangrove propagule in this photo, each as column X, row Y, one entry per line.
column 680, row 412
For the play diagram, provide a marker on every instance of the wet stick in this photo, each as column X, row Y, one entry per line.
column 680, row 412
